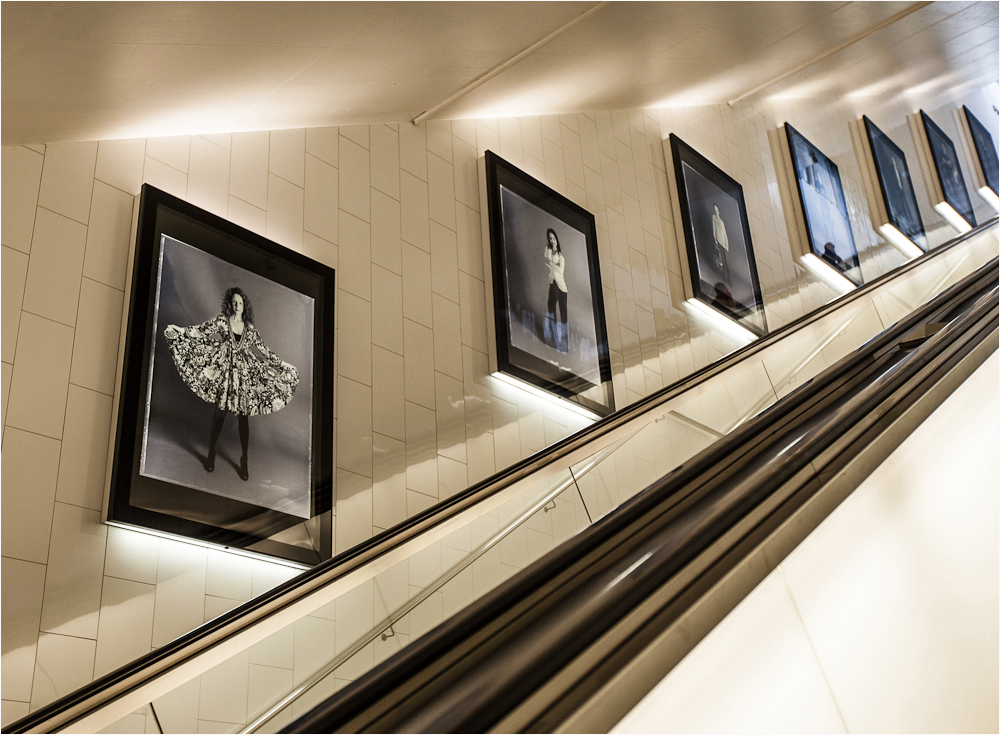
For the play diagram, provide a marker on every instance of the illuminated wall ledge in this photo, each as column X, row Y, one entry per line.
column 545, row 395
column 704, row 312
column 953, row 218
column 992, row 199
column 208, row 545
column 828, row 274
column 901, row 242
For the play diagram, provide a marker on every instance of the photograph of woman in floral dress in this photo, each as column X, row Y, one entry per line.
column 225, row 362
column 210, row 360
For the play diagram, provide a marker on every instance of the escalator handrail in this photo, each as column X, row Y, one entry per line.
column 412, row 664
column 128, row 677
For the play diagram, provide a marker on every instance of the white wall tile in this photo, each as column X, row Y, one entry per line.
column 175, row 151
column 14, row 271
column 8, row 370
column 267, row 684
column 68, row 179
column 228, row 575
column 248, row 168
column 320, row 250
column 354, row 509
column 387, row 317
column 286, row 155
column 119, row 164
column 223, row 696
column 208, row 177
column 12, row 711
column 314, row 641
column 52, row 288
column 388, row 416
column 324, row 143
column 466, row 170
column 359, row 134
column 248, row 216
column 389, row 489
column 441, row 191
column 418, row 378
column 132, row 555
column 355, row 355
column 95, row 348
column 75, row 567
column 354, row 256
column 63, row 664
column 22, row 175
column 169, row 179
column 355, row 175
column 106, row 255
column 285, row 206
column 421, row 450
column 413, row 150
column 29, row 488
column 444, row 261
column 450, row 416
column 41, row 376
column 126, row 625
column 321, row 195
column 439, row 138
column 354, row 415
column 386, row 248
column 447, row 337
column 417, row 303
column 414, row 216
column 180, row 590
column 385, row 160
column 23, row 583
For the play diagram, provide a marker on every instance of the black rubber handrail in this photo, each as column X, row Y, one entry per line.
column 471, row 671
column 191, row 644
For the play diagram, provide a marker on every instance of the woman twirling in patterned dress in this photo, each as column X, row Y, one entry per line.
column 225, row 362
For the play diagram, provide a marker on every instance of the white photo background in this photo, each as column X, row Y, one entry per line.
column 524, row 236
column 189, row 292
column 724, row 273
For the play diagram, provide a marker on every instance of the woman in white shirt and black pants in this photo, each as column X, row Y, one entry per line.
column 556, row 263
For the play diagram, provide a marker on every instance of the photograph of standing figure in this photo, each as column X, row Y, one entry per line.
column 717, row 238
column 948, row 170
column 225, row 362
column 897, row 188
column 556, row 329
column 229, row 342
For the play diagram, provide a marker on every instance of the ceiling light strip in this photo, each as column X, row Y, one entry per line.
column 486, row 76
column 830, row 52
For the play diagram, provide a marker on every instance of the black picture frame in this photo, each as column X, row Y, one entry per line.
column 179, row 249
column 896, row 185
column 530, row 344
column 732, row 290
column 986, row 150
column 824, row 207
column 948, row 169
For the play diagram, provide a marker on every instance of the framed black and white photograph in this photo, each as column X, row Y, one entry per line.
column 824, row 207
column 948, row 170
column 225, row 420
column 985, row 148
column 895, row 185
column 717, row 238
column 548, row 308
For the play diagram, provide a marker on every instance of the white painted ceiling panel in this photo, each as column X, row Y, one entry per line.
column 86, row 71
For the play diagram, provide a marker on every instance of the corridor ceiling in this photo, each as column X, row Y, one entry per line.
column 102, row 70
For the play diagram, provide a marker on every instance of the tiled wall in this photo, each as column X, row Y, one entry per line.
column 394, row 208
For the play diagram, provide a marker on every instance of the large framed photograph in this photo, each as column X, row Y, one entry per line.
column 985, row 150
column 719, row 249
column 824, row 207
column 225, row 405
column 548, row 327
column 949, row 173
column 895, row 185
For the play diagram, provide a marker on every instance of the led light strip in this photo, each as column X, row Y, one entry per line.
column 828, row 274
column 900, row 241
column 953, row 218
column 723, row 323
column 545, row 395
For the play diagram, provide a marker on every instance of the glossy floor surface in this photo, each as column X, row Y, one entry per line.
column 885, row 619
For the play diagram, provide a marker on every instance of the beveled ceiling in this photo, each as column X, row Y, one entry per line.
column 91, row 71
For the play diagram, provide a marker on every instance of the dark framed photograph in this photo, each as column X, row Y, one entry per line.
column 717, row 237
column 547, row 300
column 896, row 185
column 225, row 407
column 949, row 172
column 824, row 207
column 986, row 150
